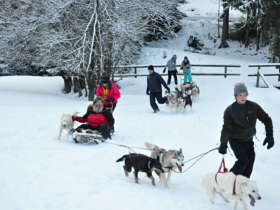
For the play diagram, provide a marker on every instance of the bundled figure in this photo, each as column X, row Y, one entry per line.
column 154, row 83
column 239, row 129
column 171, row 68
column 194, row 43
column 96, row 118
column 186, row 67
column 110, row 93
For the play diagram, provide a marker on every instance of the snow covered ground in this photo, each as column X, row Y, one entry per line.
column 38, row 172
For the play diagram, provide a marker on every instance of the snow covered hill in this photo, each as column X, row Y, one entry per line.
column 38, row 172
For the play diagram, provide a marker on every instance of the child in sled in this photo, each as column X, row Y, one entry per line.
column 96, row 118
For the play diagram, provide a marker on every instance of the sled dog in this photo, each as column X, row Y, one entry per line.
column 140, row 162
column 195, row 91
column 178, row 101
column 231, row 188
column 66, row 124
column 169, row 159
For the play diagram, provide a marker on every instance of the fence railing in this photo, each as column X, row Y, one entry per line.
column 259, row 74
column 145, row 67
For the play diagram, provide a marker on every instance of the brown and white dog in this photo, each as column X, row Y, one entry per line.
column 231, row 188
column 66, row 124
column 171, row 160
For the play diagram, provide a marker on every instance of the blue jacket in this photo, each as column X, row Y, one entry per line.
column 154, row 82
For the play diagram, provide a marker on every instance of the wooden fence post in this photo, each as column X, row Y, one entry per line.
column 258, row 77
column 225, row 72
column 279, row 72
column 135, row 72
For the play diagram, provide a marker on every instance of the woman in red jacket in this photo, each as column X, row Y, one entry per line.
column 96, row 119
column 109, row 91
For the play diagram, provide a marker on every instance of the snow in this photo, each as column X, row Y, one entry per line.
column 40, row 172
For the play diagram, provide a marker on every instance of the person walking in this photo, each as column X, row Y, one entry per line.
column 186, row 67
column 171, row 68
column 239, row 128
column 154, row 83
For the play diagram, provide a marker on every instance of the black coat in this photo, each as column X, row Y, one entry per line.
column 240, row 122
column 154, row 82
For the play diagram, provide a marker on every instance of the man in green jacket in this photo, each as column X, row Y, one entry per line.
column 239, row 129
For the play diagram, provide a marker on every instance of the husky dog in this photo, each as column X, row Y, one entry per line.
column 66, row 124
column 169, row 159
column 140, row 162
column 178, row 101
column 231, row 187
column 195, row 91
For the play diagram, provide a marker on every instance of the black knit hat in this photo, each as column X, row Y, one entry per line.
column 151, row 67
column 105, row 79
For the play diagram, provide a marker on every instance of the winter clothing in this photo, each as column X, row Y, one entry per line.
column 245, row 154
column 269, row 140
column 186, row 67
column 154, row 82
column 160, row 99
column 102, row 122
column 240, row 121
column 223, row 148
column 171, row 68
column 240, row 88
column 112, row 93
column 151, row 67
column 239, row 129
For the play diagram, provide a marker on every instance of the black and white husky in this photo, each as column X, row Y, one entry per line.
column 171, row 160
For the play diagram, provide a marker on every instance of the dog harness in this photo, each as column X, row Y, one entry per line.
column 223, row 169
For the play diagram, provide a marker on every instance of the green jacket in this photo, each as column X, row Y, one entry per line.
column 240, row 122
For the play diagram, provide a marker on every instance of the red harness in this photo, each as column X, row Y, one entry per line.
column 223, row 169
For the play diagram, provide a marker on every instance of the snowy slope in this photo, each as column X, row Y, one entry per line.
column 38, row 172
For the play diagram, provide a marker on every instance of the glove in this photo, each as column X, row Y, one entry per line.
column 110, row 100
column 168, row 90
column 147, row 92
column 164, row 70
column 269, row 140
column 74, row 118
column 223, row 148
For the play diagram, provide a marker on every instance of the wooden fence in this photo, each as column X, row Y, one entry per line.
column 259, row 73
column 144, row 67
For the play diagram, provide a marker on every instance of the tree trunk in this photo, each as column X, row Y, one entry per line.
column 225, row 31
column 67, row 84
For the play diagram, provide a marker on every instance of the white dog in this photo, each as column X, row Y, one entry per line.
column 66, row 124
column 231, row 188
column 170, row 160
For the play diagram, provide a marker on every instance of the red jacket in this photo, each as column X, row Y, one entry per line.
column 114, row 93
column 93, row 119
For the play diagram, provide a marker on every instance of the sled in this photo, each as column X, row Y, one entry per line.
column 204, row 51
column 87, row 137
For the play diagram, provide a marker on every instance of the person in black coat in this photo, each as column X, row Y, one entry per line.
column 154, row 83
column 239, row 129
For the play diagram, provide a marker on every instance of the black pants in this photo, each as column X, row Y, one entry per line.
column 245, row 154
column 170, row 73
column 110, row 107
column 160, row 99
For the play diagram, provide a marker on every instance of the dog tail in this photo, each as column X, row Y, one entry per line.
column 121, row 159
column 150, row 146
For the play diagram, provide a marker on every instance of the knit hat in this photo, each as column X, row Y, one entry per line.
column 151, row 67
column 240, row 88
column 105, row 79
